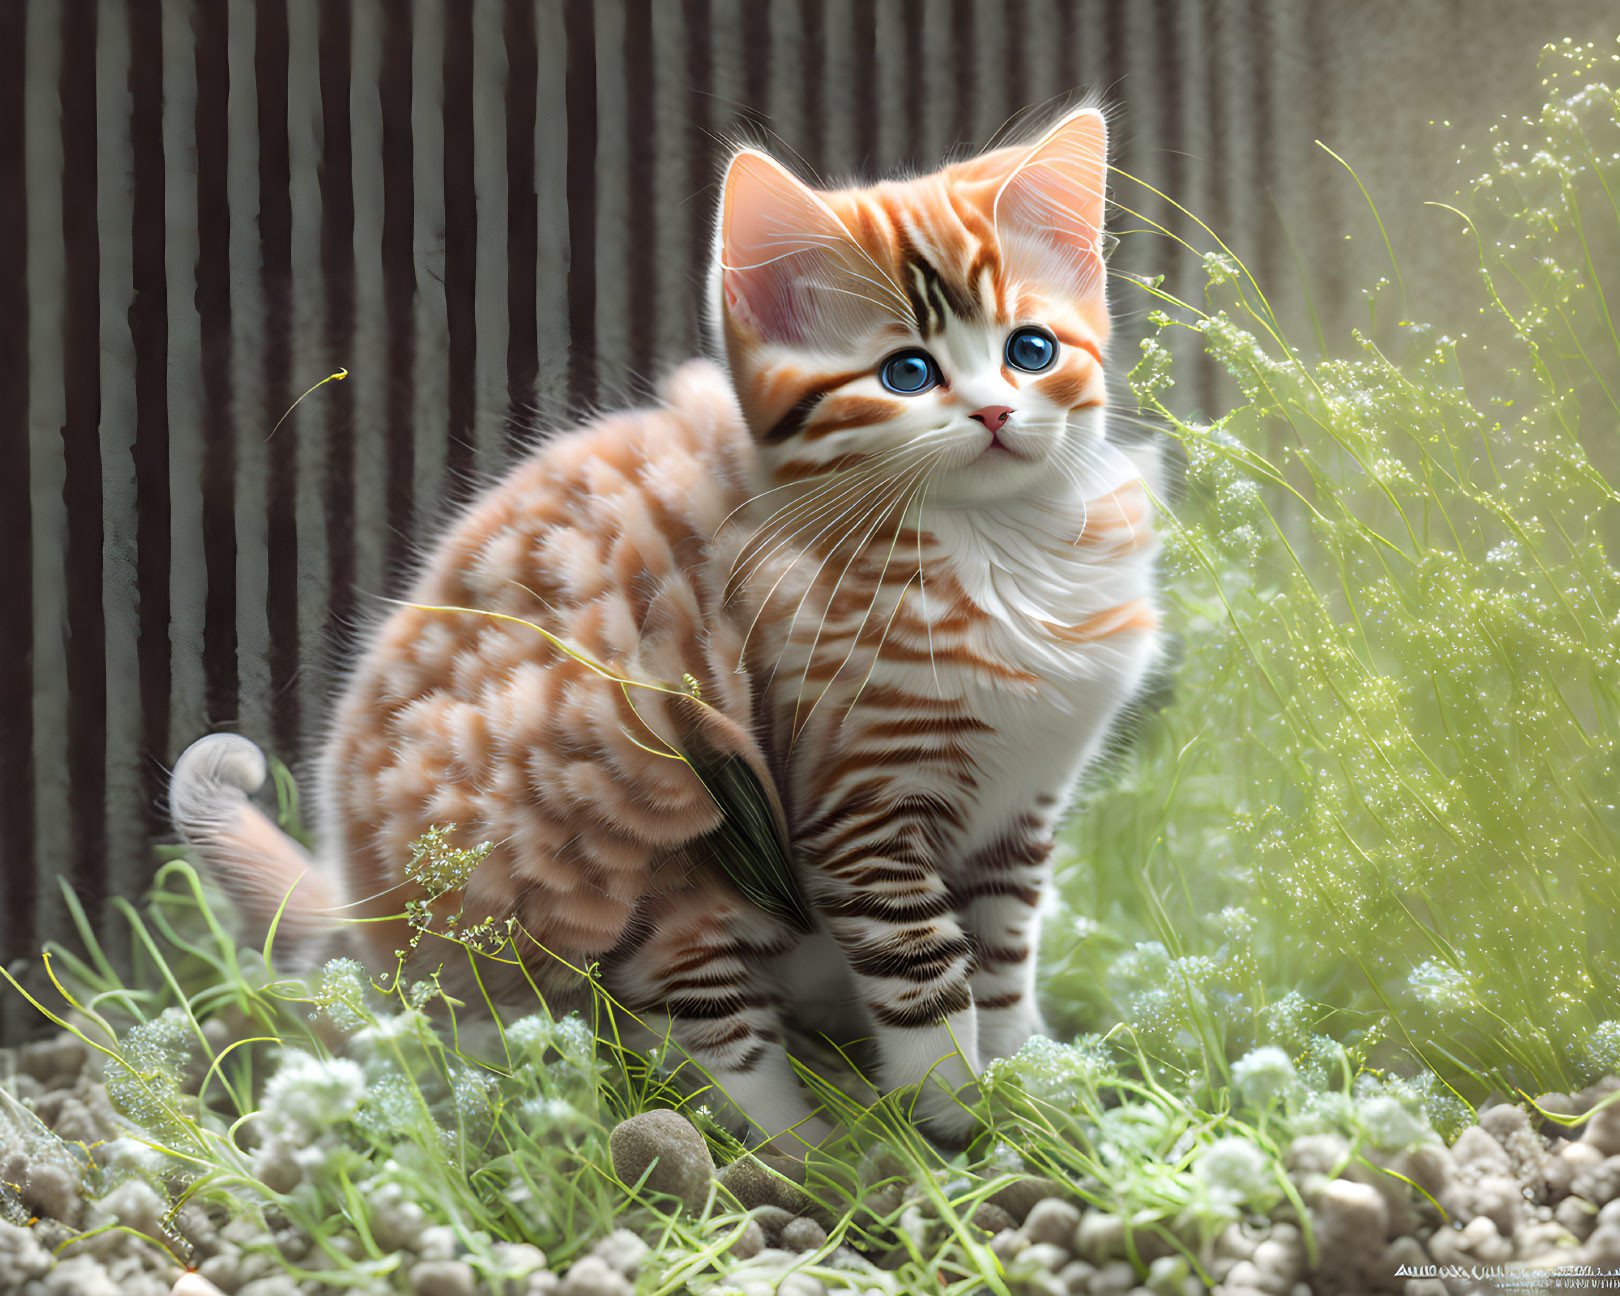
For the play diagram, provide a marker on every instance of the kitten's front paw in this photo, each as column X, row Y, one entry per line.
column 1003, row 1032
column 947, row 1117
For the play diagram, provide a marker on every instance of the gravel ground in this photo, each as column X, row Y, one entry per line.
column 1530, row 1205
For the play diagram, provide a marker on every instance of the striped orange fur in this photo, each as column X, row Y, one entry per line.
column 889, row 546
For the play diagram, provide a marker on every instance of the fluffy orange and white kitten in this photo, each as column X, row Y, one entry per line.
column 890, row 547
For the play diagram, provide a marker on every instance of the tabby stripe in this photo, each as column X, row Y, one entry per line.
column 924, row 1012
column 1137, row 614
column 994, row 1003
column 988, row 954
column 920, row 967
column 693, row 1008
column 923, row 907
column 979, row 888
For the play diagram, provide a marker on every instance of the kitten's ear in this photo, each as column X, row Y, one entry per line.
column 1051, row 204
column 779, row 243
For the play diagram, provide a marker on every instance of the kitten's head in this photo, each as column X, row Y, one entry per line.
column 950, row 326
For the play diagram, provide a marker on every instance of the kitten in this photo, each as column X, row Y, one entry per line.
column 886, row 566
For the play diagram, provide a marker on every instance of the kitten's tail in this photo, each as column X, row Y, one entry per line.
column 254, row 862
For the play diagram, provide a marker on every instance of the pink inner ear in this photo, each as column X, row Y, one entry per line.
column 776, row 240
column 1051, row 207
column 790, row 270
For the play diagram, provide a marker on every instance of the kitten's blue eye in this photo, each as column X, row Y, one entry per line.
column 1031, row 349
column 909, row 372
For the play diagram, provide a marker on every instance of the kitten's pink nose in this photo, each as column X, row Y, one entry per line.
column 992, row 416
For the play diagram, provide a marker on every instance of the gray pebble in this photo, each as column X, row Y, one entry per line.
column 1020, row 1196
column 1603, row 1130
column 52, row 1189
column 753, row 1183
column 1603, row 1247
column 1114, row 1279
column 1576, row 1215
column 991, row 1218
column 1053, row 1221
column 1100, row 1237
column 799, row 1284
column 1601, row 1184
column 750, row 1242
column 55, row 1062
column 771, row 1220
column 1043, row 1255
column 590, row 1276
column 1076, row 1277
column 623, row 1251
column 1008, row 1245
column 682, row 1166
column 803, row 1234
column 442, row 1278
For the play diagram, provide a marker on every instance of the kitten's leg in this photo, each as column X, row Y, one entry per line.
column 704, row 968
column 998, row 894
column 912, row 963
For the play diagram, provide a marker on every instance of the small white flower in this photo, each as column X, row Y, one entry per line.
column 307, row 1094
column 1263, row 1074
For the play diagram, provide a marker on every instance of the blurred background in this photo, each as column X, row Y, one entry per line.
column 495, row 215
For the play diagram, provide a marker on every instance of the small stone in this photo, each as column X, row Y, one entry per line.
column 1481, row 1239
column 80, row 1276
column 1603, row 1247
column 397, row 1225
column 436, row 1242
column 590, row 1275
column 678, row 1156
column 1576, row 1215
column 1043, row 1255
column 1600, row 1184
column 51, row 1190
column 623, row 1251
column 771, row 1220
column 1323, row 1154
column 275, row 1165
column 1474, row 1147
column 800, row 1284
column 1610, row 1214
column 1076, row 1277
column 1020, row 1196
column 1168, row 1276
column 1350, row 1215
column 192, row 1284
column 991, row 1218
column 274, row 1285
column 1007, row 1246
column 1603, row 1130
column 803, row 1234
column 1053, row 1221
column 518, row 1259
column 1100, row 1237
column 1580, row 1157
column 442, row 1278
column 750, row 1242
column 55, row 1062
column 753, row 1183
column 1114, row 1279
column 544, row 1283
